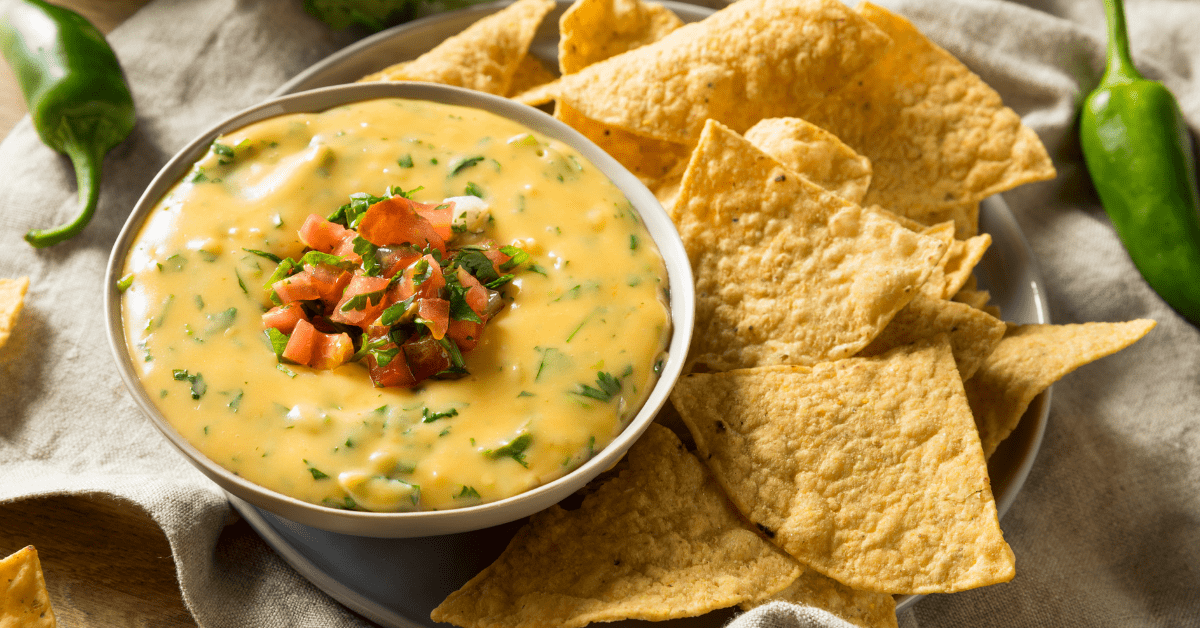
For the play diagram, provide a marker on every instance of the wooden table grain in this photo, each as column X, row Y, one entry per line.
column 107, row 564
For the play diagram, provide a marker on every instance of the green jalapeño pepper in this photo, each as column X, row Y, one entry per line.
column 75, row 92
column 1139, row 153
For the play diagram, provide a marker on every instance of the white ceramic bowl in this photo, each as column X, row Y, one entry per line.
column 410, row 524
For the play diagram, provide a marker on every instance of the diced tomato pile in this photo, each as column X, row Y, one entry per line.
column 380, row 285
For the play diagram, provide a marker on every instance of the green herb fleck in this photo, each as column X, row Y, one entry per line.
column 405, row 161
column 473, row 189
column 430, row 417
column 514, row 449
column 198, row 387
column 124, row 282
column 467, row 492
column 465, row 163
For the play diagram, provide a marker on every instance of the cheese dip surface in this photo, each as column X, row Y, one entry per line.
column 557, row 373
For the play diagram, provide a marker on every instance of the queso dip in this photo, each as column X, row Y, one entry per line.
column 557, row 373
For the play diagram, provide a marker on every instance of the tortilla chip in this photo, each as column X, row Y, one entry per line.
column 935, row 286
column 484, row 57
column 858, row 608
column 938, row 137
column 751, row 60
column 595, row 30
column 658, row 542
column 543, row 94
column 646, row 158
column 815, row 153
column 786, row 272
column 1032, row 357
column 666, row 189
column 973, row 334
column 531, row 73
column 904, row 221
column 964, row 255
column 853, row 470
column 24, row 601
column 12, row 299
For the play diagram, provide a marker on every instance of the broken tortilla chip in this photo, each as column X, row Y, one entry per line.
column 658, row 542
column 24, row 601
column 857, row 608
column 12, row 299
column 594, row 30
column 786, row 272
column 484, row 57
column 751, row 60
column 973, row 334
column 1032, row 357
column 814, row 153
column 938, row 137
column 853, row 470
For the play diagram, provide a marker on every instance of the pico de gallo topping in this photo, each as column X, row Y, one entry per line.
column 402, row 287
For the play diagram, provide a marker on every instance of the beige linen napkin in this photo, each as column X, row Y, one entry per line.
column 1105, row 531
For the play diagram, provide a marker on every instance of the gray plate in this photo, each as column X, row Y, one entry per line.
column 396, row 582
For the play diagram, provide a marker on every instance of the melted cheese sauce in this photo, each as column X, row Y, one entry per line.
column 193, row 326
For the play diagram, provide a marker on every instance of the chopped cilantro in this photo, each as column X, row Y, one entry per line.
column 633, row 242
column 316, row 473
column 235, row 402
column 430, row 417
column 514, row 449
column 467, row 491
column 197, row 382
column 264, row 254
column 606, row 388
column 279, row 341
column 405, row 161
column 464, row 163
column 473, row 189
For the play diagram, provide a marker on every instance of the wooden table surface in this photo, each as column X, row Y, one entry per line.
column 107, row 564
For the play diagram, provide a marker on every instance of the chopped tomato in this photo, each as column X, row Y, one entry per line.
column 331, row 350
column 284, row 317
column 323, row 235
column 299, row 348
column 437, row 312
column 395, row 372
column 396, row 221
column 477, row 296
column 366, row 310
column 498, row 259
column 440, row 217
column 465, row 334
column 394, row 260
column 298, row 287
column 430, row 287
column 426, row 358
column 330, row 281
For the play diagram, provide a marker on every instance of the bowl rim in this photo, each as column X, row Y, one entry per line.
column 415, row 523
